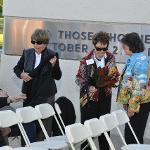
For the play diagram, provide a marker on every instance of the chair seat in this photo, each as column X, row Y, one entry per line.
column 136, row 147
column 50, row 145
column 58, row 138
column 6, row 148
column 30, row 148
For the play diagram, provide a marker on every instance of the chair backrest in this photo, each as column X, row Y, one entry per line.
column 95, row 127
column 76, row 133
column 121, row 116
column 6, row 148
column 9, row 118
column 110, row 121
column 28, row 114
column 46, row 110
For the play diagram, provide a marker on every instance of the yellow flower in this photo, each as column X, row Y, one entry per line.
column 112, row 71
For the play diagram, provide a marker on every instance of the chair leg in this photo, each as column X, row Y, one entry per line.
column 59, row 125
column 133, row 133
column 92, row 144
column 25, row 137
column 109, row 141
column 122, row 138
column 43, row 129
column 72, row 146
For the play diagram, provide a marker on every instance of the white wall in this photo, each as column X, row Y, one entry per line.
column 121, row 11
column 133, row 11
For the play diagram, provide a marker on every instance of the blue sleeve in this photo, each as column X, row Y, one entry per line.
column 141, row 71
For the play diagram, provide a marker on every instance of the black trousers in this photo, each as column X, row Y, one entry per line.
column 2, row 140
column 138, row 122
column 95, row 110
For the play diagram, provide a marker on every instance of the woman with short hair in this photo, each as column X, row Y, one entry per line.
column 96, row 76
column 38, row 67
column 133, row 90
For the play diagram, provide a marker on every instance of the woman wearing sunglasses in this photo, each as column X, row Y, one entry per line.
column 96, row 76
column 38, row 67
column 134, row 88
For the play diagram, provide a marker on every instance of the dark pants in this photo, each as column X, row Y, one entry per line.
column 30, row 129
column 138, row 122
column 95, row 110
column 2, row 140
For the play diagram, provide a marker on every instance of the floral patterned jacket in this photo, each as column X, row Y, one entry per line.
column 89, row 75
column 134, row 88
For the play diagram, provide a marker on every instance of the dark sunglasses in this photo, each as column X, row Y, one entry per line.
column 101, row 49
column 38, row 42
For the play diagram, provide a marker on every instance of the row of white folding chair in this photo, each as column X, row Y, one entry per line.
column 9, row 118
column 92, row 128
column 98, row 126
column 117, row 118
column 25, row 115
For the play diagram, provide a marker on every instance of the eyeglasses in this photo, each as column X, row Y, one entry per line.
column 101, row 49
column 38, row 42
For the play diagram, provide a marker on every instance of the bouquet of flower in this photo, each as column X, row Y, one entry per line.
column 107, row 77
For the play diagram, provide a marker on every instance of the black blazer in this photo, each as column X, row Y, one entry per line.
column 42, row 85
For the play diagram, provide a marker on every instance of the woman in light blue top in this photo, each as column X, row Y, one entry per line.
column 134, row 91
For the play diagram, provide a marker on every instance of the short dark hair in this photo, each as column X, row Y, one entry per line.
column 134, row 42
column 40, row 35
column 100, row 37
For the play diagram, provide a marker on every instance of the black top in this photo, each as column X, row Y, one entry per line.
column 42, row 85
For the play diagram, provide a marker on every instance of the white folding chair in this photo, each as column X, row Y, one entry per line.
column 46, row 111
column 96, row 127
column 112, row 123
column 77, row 133
column 30, row 114
column 9, row 118
column 123, row 118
